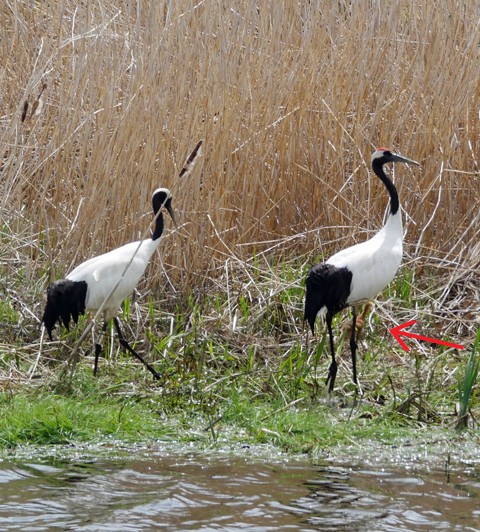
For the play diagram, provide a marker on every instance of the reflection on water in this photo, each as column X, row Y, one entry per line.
column 201, row 492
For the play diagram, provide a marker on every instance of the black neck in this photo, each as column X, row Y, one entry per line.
column 157, row 232
column 377, row 166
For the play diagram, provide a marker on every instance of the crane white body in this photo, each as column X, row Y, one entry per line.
column 373, row 263
column 103, row 272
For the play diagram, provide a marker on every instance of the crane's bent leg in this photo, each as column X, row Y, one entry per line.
column 353, row 345
column 332, row 372
column 98, row 349
column 126, row 346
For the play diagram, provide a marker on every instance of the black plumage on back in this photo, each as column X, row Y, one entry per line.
column 65, row 301
column 326, row 286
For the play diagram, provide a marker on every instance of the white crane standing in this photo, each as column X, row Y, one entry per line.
column 90, row 284
column 359, row 273
column 103, row 282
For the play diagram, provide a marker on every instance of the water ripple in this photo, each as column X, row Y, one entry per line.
column 198, row 492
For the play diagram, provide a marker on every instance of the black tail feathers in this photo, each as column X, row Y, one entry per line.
column 326, row 286
column 65, row 301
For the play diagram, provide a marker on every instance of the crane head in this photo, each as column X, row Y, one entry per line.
column 162, row 197
column 384, row 155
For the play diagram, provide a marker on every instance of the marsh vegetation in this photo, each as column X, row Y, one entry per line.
column 100, row 104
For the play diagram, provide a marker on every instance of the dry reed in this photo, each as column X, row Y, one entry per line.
column 290, row 99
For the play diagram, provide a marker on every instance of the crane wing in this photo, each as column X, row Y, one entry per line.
column 373, row 264
column 103, row 272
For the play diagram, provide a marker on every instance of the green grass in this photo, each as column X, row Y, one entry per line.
column 43, row 418
column 98, row 410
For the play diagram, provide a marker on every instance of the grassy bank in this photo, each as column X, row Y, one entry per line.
column 255, row 379
column 101, row 104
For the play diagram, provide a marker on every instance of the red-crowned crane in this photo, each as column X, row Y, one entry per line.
column 359, row 273
column 88, row 286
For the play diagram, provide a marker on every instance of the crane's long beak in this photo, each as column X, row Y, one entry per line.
column 169, row 208
column 399, row 159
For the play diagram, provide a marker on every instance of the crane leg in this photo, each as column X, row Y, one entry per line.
column 354, row 345
column 98, row 349
column 126, row 346
column 332, row 372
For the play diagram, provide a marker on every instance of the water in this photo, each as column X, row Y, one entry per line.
column 159, row 490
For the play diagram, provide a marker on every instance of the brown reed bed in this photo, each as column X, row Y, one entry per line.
column 290, row 99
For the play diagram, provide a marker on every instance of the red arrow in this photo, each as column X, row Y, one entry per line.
column 398, row 332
